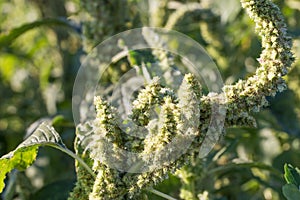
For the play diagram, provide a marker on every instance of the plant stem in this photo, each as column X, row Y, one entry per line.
column 163, row 195
column 73, row 155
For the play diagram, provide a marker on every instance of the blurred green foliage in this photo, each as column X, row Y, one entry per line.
column 292, row 177
column 38, row 65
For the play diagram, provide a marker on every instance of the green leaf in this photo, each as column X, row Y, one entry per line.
column 291, row 192
column 59, row 119
column 25, row 154
column 6, row 40
column 248, row 165
column 292, row 175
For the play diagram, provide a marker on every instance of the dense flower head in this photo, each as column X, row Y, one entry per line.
column 184, row 118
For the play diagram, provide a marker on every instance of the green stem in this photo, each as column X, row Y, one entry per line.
column 73, row 155
column 163, row 195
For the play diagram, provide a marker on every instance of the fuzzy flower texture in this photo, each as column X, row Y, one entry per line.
column 184, row 118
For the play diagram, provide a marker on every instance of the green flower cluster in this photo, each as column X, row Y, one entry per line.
column 178, row 124
column 184, row 119
column 85, row 180
column 275, row 60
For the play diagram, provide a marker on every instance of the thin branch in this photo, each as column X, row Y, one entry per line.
column 163, row 195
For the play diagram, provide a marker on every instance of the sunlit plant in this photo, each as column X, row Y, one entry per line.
column 103, row 136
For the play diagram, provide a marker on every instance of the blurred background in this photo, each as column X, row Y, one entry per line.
column 42, row 44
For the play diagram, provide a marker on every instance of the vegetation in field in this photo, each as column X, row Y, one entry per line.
column 45, row 155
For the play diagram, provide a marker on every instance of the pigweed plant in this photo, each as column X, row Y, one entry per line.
column 118, row 158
